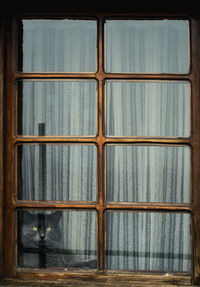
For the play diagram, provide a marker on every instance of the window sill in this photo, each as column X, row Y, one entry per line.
column 85, row 283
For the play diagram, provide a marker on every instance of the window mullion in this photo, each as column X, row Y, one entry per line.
column 100, row 143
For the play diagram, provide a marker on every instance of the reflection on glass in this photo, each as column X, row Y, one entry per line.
column 65, row 107
column 57, row 239
column 148, row 109
column 148, row 241
column 148, row 173
column 57, row 172
column 147, row 46
column 54, row 45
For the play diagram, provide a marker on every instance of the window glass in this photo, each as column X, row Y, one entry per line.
column 148, row 241
column 148, row 173
column 147, row 46
column 155, row 109
column 59, row 239
column 54, row 45
column 63, row 107
column 102, row 164
column 57, row 172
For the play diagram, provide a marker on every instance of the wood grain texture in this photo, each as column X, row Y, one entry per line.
column 86, row 284
column 90, row 280
column 102, row 280
column 195, row 139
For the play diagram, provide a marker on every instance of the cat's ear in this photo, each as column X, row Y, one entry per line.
column 56, row 216
column 27, row 216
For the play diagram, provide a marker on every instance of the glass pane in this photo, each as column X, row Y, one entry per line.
column 148, row 241
column 147, row 46
column 148, row 109
column 148, row 173
column 57, row 239
column 57, row 172
column 63, row 107
column 54, row 45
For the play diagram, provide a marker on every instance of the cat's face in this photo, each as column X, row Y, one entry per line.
column 40, row 229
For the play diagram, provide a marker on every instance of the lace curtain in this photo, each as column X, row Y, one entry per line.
column 134, row 173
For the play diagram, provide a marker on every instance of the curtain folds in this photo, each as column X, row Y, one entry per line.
column 134, row 173
column 151, row 108
column 59, row 45
column 64, row 172
column 148, row 173
column 147, row 46
column 148, row 241
column 64, row 107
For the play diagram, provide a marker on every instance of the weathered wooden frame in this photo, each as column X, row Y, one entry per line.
column 100, row 140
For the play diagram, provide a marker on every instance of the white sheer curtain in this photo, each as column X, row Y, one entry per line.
column 80, row 234
column 151, row 108
column 59, row 45
column 64, row 107
column 147, row 241
column 61, row 108
column 58, row 172
column 141, row 173
column 147, row 46
column 132, row 109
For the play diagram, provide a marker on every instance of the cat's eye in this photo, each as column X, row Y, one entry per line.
column 49, row 228
column 34, row 228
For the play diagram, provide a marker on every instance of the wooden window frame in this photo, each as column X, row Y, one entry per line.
column 9, row 204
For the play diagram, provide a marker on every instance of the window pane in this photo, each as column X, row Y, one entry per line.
column 148, row 109
column 57, row 239
column 147, row 46
column 57, row 172
column 64, row 107
column 148, row 241
column 63, row 45
column 148, row 173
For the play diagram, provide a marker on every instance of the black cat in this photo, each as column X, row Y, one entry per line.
column 39, row 243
